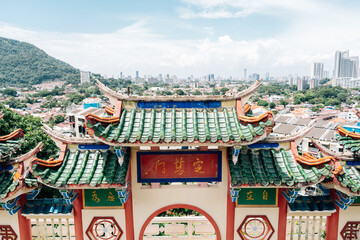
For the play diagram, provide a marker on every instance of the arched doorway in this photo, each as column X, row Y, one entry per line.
column 185, row 206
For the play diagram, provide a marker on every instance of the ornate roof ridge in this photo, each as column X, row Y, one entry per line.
column 63, row 138
column 345, row 133
column 111, row 93
column 328, row 152
column 29, row 154
column 15, row 134
column 290, row 137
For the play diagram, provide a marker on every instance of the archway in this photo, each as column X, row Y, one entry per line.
column 186, row 206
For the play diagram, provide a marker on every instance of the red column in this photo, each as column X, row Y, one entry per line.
column 24, row 227
column 24, row 223
column 78, row 206
column 129, row 216
column 230, row 217
column 332, row 222
column 282, row 215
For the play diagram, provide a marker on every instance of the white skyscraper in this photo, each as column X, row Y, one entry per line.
column 84, row 77
column 345, row 66
column 317, row 70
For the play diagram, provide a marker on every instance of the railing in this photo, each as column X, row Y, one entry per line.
column 53, row 228
column 307, row 227
column 190, row 227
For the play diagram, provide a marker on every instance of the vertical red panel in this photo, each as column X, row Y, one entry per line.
column 24, row 227
column 282, row 215
column 332, row 222
column 129, row 215
column 230, row 211
column 77, row 207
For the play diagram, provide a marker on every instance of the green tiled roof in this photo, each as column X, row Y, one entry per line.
column 350, row 179
column 7, row 183
column 349, row 143
column 47, row 206
column 270, row 167
column 179, row 125
column 312, row 203
column 84, row 168
column 8, row 148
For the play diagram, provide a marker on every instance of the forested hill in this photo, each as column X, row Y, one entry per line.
column 24, row 64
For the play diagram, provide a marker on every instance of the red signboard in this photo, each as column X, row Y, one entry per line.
column 189, row 166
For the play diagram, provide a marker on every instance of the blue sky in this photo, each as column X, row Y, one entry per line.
column 187, row 36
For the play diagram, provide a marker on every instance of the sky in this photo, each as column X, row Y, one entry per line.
column 187, row 37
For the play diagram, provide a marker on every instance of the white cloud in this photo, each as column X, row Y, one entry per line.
column 241, row 8
column 312, row 35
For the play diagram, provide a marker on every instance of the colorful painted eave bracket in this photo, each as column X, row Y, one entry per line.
column 12, row 206
column 343, row 201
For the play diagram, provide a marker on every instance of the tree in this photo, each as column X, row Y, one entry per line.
column 197, row 92
column 272, row 105
column 179, row 92
column 223, row 90
column 262, row 103
column 59, row 119
column 283, row 102
column 10, row 92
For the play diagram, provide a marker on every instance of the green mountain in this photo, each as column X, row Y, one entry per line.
column 23, row 64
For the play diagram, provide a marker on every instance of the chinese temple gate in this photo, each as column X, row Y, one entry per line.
column 210, row 154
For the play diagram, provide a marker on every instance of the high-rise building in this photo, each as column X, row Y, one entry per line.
column 267, row 76
column 317, row 70
column 314, row 82
column 84, row 77
column 345, row 66
column 121, row 75
column 137, row 74
column 255, row 76
column 302, row 82
column 245, row 74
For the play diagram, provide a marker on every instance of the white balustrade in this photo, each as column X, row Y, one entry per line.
column 172, row 228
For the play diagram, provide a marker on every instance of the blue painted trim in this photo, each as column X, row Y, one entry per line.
column 264, row 145
column 164, row 180
column 341, row 204
column 123, row 200
column 94, row 147
column 345, row 199
column 326, row 191
column 180, row 104
column 353, row 163
column 8, row 167
column 32, row 195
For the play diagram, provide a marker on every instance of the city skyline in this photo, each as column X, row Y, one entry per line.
column 187, row 37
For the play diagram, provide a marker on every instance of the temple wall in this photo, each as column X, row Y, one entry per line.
column 271, row 213
column 118, row 214
column 12, row 220
column 351, row 214
column 210, row 199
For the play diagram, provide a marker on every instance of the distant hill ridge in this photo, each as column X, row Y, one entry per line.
column 23, row 64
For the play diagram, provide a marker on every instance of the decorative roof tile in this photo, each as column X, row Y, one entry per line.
column 84, row 169
column 272, row 167
column 312, row 204
column 47, row 206
column 139, row 126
